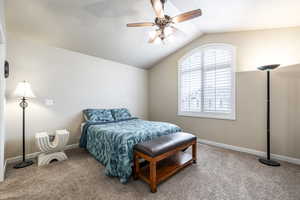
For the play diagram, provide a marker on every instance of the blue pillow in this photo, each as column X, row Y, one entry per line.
column 98, row 115
column 121, row 113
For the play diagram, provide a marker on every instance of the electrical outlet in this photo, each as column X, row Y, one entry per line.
column 49, row 102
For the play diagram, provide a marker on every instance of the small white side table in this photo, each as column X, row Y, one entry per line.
column 52, row 150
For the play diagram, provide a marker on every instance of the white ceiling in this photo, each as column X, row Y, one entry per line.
column 98, row 27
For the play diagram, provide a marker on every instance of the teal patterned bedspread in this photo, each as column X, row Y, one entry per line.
column 112, row 143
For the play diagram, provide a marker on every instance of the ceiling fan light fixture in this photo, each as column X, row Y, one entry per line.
column 152, row 34
column 157, row 41
column 154, row 37
column 168, row 31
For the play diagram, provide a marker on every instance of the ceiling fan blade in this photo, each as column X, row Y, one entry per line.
column 158, row 7
column 187, row 16
column 142, row 24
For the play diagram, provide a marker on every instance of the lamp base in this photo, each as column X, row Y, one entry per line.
column 268, row 162
column 23, row 164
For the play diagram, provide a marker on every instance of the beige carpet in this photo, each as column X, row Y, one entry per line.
column 219, row 174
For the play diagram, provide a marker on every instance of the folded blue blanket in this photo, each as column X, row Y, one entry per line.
column 111, row 143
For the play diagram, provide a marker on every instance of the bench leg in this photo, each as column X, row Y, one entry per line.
column 194, row 149
column 136, row 167
column 153, row 185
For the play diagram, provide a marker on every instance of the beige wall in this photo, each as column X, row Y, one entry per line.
column 75, row 82
column 2, row 21
column 2, row 89
column 254, row 48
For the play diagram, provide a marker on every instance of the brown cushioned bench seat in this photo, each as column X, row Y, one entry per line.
column 165, row 156
column 164, row 144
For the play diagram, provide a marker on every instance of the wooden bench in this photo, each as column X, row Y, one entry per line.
column 165, row 157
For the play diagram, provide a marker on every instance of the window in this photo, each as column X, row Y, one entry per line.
column 207, row 82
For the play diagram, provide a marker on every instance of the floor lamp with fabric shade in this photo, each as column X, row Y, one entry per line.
column 24, row 91
column 268, row 161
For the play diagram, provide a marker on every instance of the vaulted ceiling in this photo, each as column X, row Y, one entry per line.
column 98, row 27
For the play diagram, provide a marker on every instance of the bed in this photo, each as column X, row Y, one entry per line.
column 111, row 141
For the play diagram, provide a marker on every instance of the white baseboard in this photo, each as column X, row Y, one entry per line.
column 208, row 142
column 34, row 155
column 251, row 151
column 71, row 146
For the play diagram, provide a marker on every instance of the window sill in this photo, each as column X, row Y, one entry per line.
column 207, row 116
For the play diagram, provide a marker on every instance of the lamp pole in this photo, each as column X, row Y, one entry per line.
column 268, row 161
column 23, row 106
column 268, row 117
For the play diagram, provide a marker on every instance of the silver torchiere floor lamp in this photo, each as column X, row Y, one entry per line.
column 268, row 161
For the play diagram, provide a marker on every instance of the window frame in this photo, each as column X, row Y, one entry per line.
column 232, row 115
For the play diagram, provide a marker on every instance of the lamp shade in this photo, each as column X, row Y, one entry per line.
column 268, row 67
column 24, row 90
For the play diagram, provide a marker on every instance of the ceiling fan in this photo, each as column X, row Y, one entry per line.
column 164, row 22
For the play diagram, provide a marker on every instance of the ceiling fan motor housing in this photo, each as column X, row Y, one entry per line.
column 163, row 22
column 163, row 1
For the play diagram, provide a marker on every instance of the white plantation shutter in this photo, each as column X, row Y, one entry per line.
column 207, row 82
